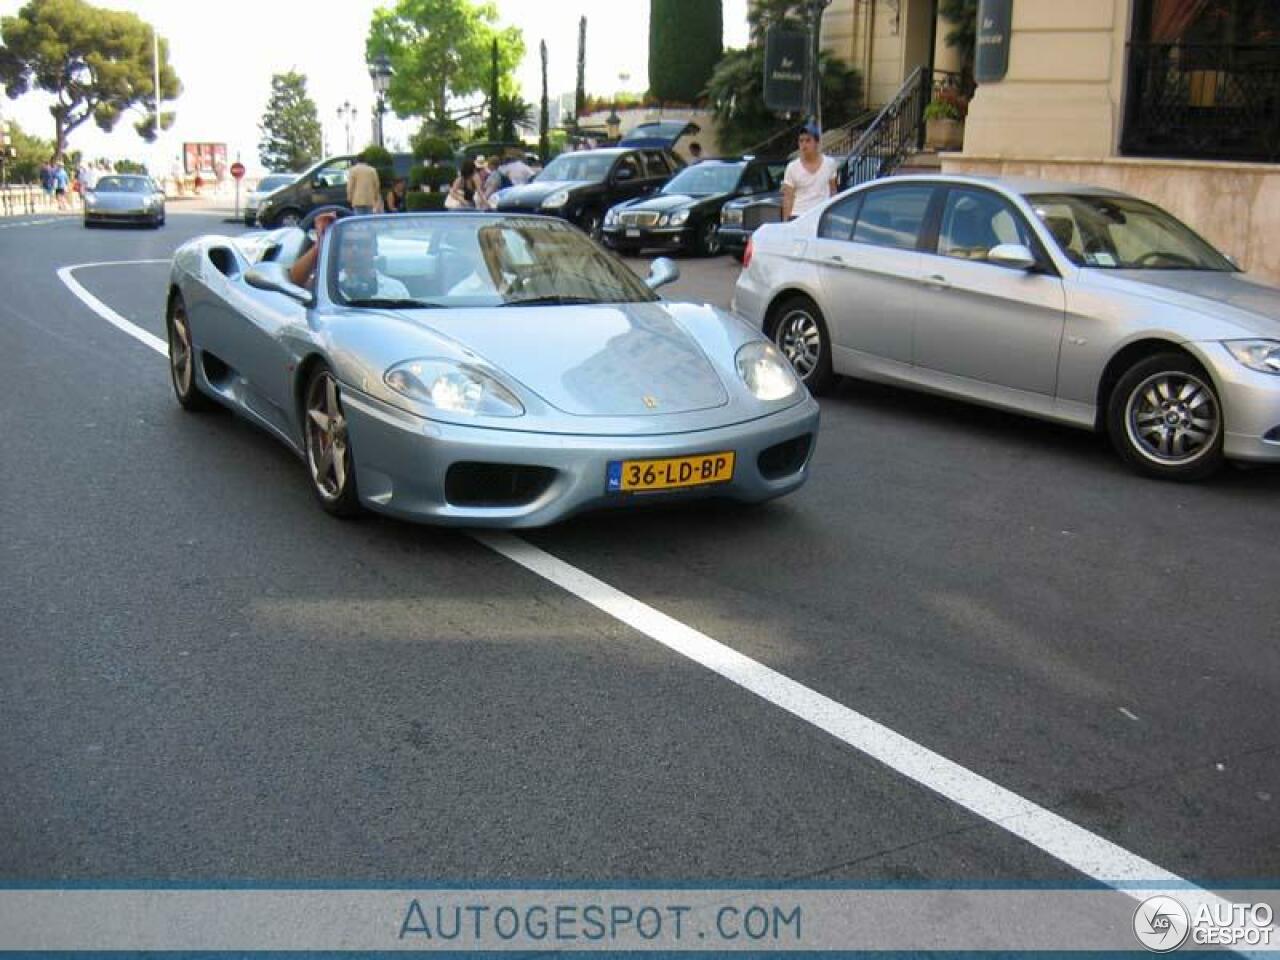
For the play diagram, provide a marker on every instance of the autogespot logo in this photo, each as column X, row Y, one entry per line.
column 1161, row 924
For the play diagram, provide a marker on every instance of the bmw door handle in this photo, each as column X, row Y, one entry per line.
column 836, row 258
column 936, row 281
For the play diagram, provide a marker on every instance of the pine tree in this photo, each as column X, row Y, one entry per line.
column 685, row 43
column 290, row 127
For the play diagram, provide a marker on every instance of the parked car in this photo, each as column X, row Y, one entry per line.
column 266, row 186
column 483, row 369
column 320, row 186
column 1070, row 303
column 685, row 213
column 581, row 186
column 124, row 198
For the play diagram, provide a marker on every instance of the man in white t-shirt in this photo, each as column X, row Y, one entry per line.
column 810, row 178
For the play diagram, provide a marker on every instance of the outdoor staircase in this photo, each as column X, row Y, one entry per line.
column 895, row 135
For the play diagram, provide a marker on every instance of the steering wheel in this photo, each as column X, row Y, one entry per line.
column 309, row 221
column 1176, row 258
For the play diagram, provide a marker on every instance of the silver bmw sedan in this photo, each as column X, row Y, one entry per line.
column 1066, row 302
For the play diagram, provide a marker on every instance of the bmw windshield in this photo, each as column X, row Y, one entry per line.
column 452, row 260
column 1121, row 233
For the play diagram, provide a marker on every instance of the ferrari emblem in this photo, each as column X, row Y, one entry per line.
column 650, row 402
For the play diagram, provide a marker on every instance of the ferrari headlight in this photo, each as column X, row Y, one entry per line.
column 556, row 200
column 679, row 218
column 766, row 372
column 1260, row 355
column 453, row 388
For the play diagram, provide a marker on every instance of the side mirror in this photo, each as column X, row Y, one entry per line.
column 623, row 174
column 1015, row 256
column 274, row 277
column 661, row 272
column 1233, row 261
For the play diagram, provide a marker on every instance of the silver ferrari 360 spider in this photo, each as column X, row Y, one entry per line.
column 483, row 370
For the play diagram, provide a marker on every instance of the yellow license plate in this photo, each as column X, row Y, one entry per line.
column 637, row 476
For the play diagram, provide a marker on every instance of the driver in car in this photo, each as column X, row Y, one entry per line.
column 358, row 276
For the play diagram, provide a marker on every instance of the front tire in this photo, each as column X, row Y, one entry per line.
column 182, row 359
column 1165, row 419
column 799, row 331
column 287, row 218
column 330, row 464
column 709, row 239
column 592, row 225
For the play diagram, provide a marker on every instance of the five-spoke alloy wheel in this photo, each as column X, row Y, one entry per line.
column 182, row 358
column 328, row 448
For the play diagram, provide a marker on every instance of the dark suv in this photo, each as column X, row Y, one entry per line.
column 581, row 186
column 320, row 186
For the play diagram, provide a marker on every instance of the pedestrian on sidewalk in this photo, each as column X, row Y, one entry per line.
column 394, row 201
column 464, row 190
column 60, row 183
column 364, row 188
column 810, row 178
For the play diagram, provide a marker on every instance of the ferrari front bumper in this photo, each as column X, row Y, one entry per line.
column 403, row 461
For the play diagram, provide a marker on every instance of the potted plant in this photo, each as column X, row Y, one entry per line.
column 944, row 120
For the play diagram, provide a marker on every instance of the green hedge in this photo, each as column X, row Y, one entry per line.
column 417, row 200
column 686, row 39
column 433, row 176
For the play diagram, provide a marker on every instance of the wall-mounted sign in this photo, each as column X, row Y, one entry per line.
column 786, row 61
column 991, row 58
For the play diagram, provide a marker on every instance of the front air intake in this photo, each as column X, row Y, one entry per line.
column 495, row 484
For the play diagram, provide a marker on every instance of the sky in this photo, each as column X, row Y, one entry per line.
column 225, row 53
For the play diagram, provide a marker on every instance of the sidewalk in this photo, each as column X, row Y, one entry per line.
column 18, row 200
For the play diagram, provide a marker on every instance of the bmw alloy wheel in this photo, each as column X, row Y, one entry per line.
column 799, row 338
column 1172, row 418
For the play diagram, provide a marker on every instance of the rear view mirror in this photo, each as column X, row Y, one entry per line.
column 661, row 272
column 1015, row 256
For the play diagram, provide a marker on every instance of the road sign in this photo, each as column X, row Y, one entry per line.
column 237, row 170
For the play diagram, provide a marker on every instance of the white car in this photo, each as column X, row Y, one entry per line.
column 1066, row 302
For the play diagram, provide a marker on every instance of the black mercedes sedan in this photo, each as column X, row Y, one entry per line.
column 581, row 186
column 685, row 214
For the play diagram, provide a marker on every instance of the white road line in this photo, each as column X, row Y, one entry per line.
column 1073, row 845
column 105, row 312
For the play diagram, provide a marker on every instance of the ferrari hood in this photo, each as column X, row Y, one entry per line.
column 593, row 360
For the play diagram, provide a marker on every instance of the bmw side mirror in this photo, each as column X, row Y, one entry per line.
column 661, row 272
column 1015, row 256
column 274, row 278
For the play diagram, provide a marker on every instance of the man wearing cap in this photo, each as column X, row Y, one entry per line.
column 810, row 178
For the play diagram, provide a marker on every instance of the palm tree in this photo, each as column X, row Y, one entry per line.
column 511, row 112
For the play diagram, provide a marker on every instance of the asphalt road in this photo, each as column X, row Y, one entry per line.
column 204, row 678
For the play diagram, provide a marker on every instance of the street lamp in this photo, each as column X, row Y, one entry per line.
column 347, row 116
column 380, row 73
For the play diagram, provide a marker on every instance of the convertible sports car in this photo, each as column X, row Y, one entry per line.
column 483, row 370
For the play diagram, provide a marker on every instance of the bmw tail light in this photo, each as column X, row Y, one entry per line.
column 746, row 254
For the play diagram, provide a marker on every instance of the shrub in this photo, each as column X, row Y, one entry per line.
column 947, row 104
column 417, row 200
column 429, row 148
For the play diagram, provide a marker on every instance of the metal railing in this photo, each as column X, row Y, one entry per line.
column 896, row 133
column 777, row 146
column 20, row 199
column 839, row 141
column 1212, row 101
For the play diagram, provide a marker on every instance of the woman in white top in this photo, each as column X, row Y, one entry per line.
column 810, row 178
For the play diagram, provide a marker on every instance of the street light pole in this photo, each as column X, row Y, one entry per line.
column 814, row 80
column 347, row 115
column 380, row 72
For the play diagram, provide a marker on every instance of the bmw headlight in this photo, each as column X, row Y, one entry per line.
column 679, row 218
column 453, row 388
column 1260, row 355
column 766, row 372
column 556, row 200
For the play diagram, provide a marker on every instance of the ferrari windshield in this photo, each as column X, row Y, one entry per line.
column 457, row 260
column 1123, row 233
column 592, row 167
column 124, row 185
column 705, row 179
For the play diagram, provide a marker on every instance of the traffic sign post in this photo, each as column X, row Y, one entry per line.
column 237, row 171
